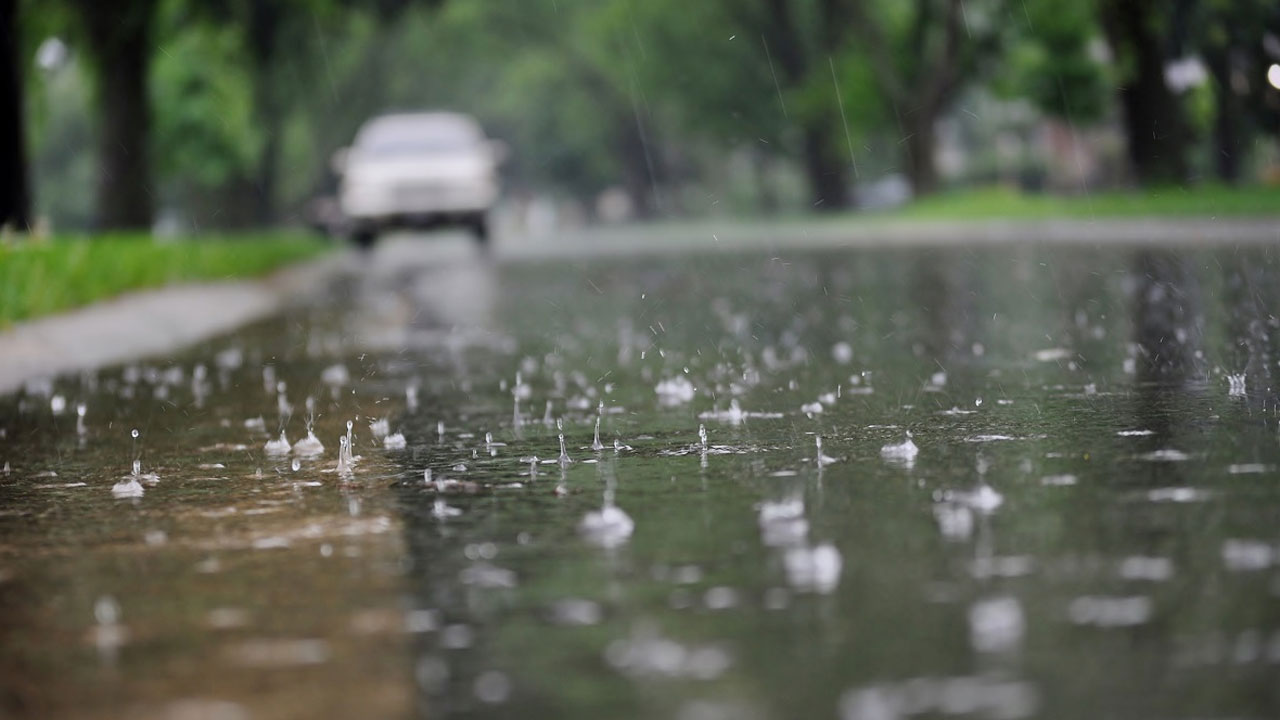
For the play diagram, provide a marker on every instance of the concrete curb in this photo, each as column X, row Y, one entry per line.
column 782, row 235
column 150, row 322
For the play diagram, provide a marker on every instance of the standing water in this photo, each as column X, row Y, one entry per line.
column 1097, row 537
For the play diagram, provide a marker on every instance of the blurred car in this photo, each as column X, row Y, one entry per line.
column 418, row 170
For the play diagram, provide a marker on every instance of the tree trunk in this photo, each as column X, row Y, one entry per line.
column 766, row 193
column 828, row 184
column 1227, row 138
column 15, row 197
column 919, row 145
column 639, row 165
column 119, row 36
column 264, row 26
column 1156, row 131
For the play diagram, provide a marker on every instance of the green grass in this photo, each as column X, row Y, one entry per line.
column 1001, row 203
column 42, row 277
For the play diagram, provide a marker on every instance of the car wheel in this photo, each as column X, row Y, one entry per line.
column 479, row 226
column 364, row 238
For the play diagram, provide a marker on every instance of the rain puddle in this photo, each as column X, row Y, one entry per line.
column 886, row 484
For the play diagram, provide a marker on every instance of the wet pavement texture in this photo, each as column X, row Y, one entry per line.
column 869, row 484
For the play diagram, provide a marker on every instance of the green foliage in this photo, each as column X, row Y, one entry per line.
column 1051, row 63
column 38, row 278
column 205, row 132
column 997, row 203
column 589, row 94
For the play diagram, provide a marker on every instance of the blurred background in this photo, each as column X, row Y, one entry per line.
column 181, row 116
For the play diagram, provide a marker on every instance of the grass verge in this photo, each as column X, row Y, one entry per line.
column 1207, row 201
column 42, row 277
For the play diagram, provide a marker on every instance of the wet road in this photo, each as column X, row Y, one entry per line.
column 1087, row 526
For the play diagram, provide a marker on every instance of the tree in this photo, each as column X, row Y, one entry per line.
column 922, row 55
column 1231, row 35
column 1140, row 33
column 119, row 38
column 15, row 197
column 1050, row 64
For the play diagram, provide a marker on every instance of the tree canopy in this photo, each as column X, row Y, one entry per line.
column 226, row 112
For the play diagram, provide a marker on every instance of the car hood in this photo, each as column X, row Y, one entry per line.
column 420, row 168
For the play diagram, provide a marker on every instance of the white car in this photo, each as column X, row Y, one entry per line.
column 418, row 170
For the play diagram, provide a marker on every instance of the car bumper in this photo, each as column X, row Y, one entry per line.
column 415, row 202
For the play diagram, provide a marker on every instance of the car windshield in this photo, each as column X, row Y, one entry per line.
column 396, row 136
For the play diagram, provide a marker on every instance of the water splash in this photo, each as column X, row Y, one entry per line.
column 822, row 460
column 903, row 453
column 607, row 527
column 335, row 376
column 1236, row 386
column 394, row 441
column 279, row 446
column 344, row 455
column 813, row 569
column 108, row 634
column 129, row 487
column 521, row 391
column 564, row 453
column 441, row 510
column 675, row 391
column 596, row 445
column 310, row 446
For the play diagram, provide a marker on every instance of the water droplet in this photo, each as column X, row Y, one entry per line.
column 135, row 433
column 106, row 610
